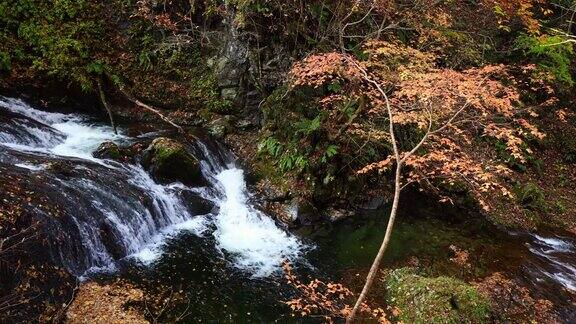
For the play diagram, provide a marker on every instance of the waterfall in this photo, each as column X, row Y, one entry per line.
column 116, row 211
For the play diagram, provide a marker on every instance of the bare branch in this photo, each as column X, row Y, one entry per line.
column 151, row 109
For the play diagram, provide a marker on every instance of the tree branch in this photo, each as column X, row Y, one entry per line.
column 151, row 109
column 106, row 106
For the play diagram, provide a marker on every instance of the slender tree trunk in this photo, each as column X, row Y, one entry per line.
column 397, row 188
column 378, row 259
column 106, row 106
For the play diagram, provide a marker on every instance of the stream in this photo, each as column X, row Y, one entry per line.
column 120, row 222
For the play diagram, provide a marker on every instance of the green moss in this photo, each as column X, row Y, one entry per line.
column 112, row 152
column 436, row 300
column 169, row 161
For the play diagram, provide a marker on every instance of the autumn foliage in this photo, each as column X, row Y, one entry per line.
column 453, row 107
column 328, row 300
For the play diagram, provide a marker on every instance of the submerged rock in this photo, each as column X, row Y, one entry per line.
column 169, row 161
column 437, row 300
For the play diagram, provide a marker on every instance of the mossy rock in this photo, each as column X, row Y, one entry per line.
column 108, row 150
column 169, row 161
column 436, row 300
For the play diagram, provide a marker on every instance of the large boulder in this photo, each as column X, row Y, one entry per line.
column 437, row 300
column 169, row 161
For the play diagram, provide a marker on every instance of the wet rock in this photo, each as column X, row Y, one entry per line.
column 61, row 168
column 108, row 150
column 111, row 242
column 304, row 212
column 169, row 161
column 198, row 205
column 112, row 151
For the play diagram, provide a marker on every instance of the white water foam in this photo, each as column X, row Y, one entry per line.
column 556, row 252
column 31, row 167
column 83, row 139
column 154, row 249
column 252, row 237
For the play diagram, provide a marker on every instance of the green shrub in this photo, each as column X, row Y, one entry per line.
column 551, row 53
column 5, row 61
column 55, row 38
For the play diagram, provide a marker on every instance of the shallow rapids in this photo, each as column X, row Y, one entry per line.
column 119, row 212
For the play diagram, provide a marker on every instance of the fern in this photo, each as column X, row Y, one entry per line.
column 270, row 146
column 551, row 54
column 308, row 126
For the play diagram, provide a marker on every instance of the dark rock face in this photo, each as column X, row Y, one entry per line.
column 111, row 241
column 232, row 65
column 170, row 161
column 198, row 205
column 305, row 212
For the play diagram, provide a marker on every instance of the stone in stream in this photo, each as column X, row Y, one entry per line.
column 112, row 151
column 108, row 150
column 169, row 161
column 196, row 204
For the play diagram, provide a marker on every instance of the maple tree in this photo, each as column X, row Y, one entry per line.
column 444, row 109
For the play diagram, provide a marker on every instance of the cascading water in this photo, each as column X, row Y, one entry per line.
column 555, row 260
column 111, row 213
column 117, row 211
